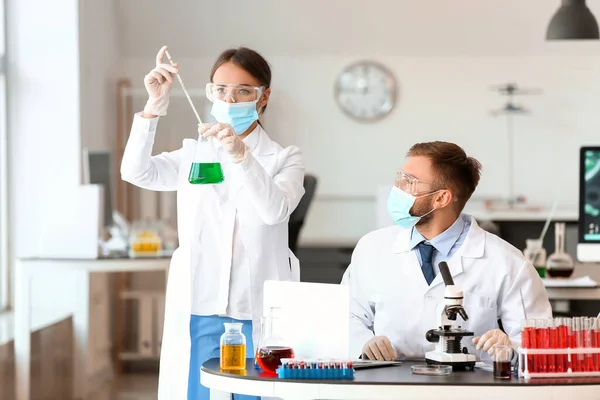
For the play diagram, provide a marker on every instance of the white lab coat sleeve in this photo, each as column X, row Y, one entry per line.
column 275, row 198
column 139, row 167
column 526, row 297
column 362, row 311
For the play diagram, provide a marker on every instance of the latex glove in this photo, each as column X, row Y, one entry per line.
column 158, row 84
column 235, row 147
column 379, row 348
column 488, row 340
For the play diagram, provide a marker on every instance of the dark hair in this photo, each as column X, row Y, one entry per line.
column 453, row 169
column 250, row 61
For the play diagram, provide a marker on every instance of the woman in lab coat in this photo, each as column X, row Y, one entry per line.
column 232, row 236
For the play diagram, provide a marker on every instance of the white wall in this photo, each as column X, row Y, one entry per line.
column 61, row 87
column 445, row 56
column 44, row 117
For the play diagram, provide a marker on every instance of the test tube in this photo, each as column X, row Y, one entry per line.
column 543, row 343
column 588, row 343
column 529, row 338
column 596, row 342
column 576, row 343
column 562, row 338
column 552, row 344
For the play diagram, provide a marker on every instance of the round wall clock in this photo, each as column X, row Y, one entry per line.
column 366, row 91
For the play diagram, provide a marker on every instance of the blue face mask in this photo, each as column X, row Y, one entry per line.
column 399, row 205
column 239, row 115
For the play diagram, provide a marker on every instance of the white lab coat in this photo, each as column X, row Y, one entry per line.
column 390, row 297
column 263, row 193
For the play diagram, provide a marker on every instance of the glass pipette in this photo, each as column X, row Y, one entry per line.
column 184, row 89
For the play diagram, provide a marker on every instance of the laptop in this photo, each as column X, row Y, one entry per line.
column 314, row 317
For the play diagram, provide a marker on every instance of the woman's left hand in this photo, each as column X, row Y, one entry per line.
column 228, row 138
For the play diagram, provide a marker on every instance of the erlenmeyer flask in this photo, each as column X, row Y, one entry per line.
column 206, row 169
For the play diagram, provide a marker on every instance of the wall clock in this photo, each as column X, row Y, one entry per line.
column 366, row 91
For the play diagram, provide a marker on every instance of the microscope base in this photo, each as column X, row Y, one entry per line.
column 458, row 361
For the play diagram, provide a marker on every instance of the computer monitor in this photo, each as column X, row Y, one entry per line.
column 588, row 245
column 97, row 170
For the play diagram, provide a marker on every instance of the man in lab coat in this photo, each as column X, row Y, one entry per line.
column 394, row 279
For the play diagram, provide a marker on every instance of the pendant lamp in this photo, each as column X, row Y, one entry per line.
column 573, row 21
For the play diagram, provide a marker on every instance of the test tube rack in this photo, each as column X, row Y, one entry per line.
column 315, row 369
column 569, row 352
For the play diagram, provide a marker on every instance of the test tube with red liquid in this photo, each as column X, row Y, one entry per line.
column 543, row 342
column 586, row 336
column 562, row 342
column 529, row 341
column 576, row 343
column 596, row 342
column 552, row 344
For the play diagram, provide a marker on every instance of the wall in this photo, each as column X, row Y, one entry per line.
column 61, row 94
column 445, row 55
column 99, row 62
column 43, row 112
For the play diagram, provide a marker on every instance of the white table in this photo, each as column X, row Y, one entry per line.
column 396, row 383
column 67, row 286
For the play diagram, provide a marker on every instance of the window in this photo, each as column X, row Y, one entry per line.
column 4, row 256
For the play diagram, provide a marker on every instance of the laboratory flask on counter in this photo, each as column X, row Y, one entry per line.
column 272, row 347
column 206, row 169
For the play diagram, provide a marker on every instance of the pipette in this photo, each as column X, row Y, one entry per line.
column 545, row 229
column 184, row 89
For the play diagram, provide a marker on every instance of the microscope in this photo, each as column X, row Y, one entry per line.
column 448, row 336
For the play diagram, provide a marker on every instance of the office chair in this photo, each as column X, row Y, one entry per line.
column 299, row 214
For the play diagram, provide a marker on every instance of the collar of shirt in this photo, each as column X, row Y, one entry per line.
column 444, row 241
column 251, row 140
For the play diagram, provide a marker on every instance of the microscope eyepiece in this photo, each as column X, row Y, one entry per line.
column 446, row 275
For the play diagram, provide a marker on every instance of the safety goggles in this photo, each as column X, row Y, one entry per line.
column 409, row 184
column 236, row 93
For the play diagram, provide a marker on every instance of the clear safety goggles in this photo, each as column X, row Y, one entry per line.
column 236, row 93
column 409, row 184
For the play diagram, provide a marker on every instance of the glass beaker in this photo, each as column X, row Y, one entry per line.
column 502, row 358
column 206, row 169
column 233, row 347
column 272, row 347
column 535, row 253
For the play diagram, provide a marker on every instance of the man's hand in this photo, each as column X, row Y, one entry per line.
column 379, row 348
column 488, row 340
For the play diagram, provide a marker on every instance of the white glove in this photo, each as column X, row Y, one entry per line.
column 158, row 83
column 232, row 143
column 488, row 340
column 379, row 348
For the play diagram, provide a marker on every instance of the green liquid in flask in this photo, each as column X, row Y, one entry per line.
column 206, row 173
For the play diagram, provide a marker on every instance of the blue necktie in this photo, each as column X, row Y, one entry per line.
column 426, row 251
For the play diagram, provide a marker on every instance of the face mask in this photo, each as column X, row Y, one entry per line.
column 399, row 205
column 239, row 115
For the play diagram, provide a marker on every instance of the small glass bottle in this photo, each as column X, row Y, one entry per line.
column 233, row 347
column 206, row 169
